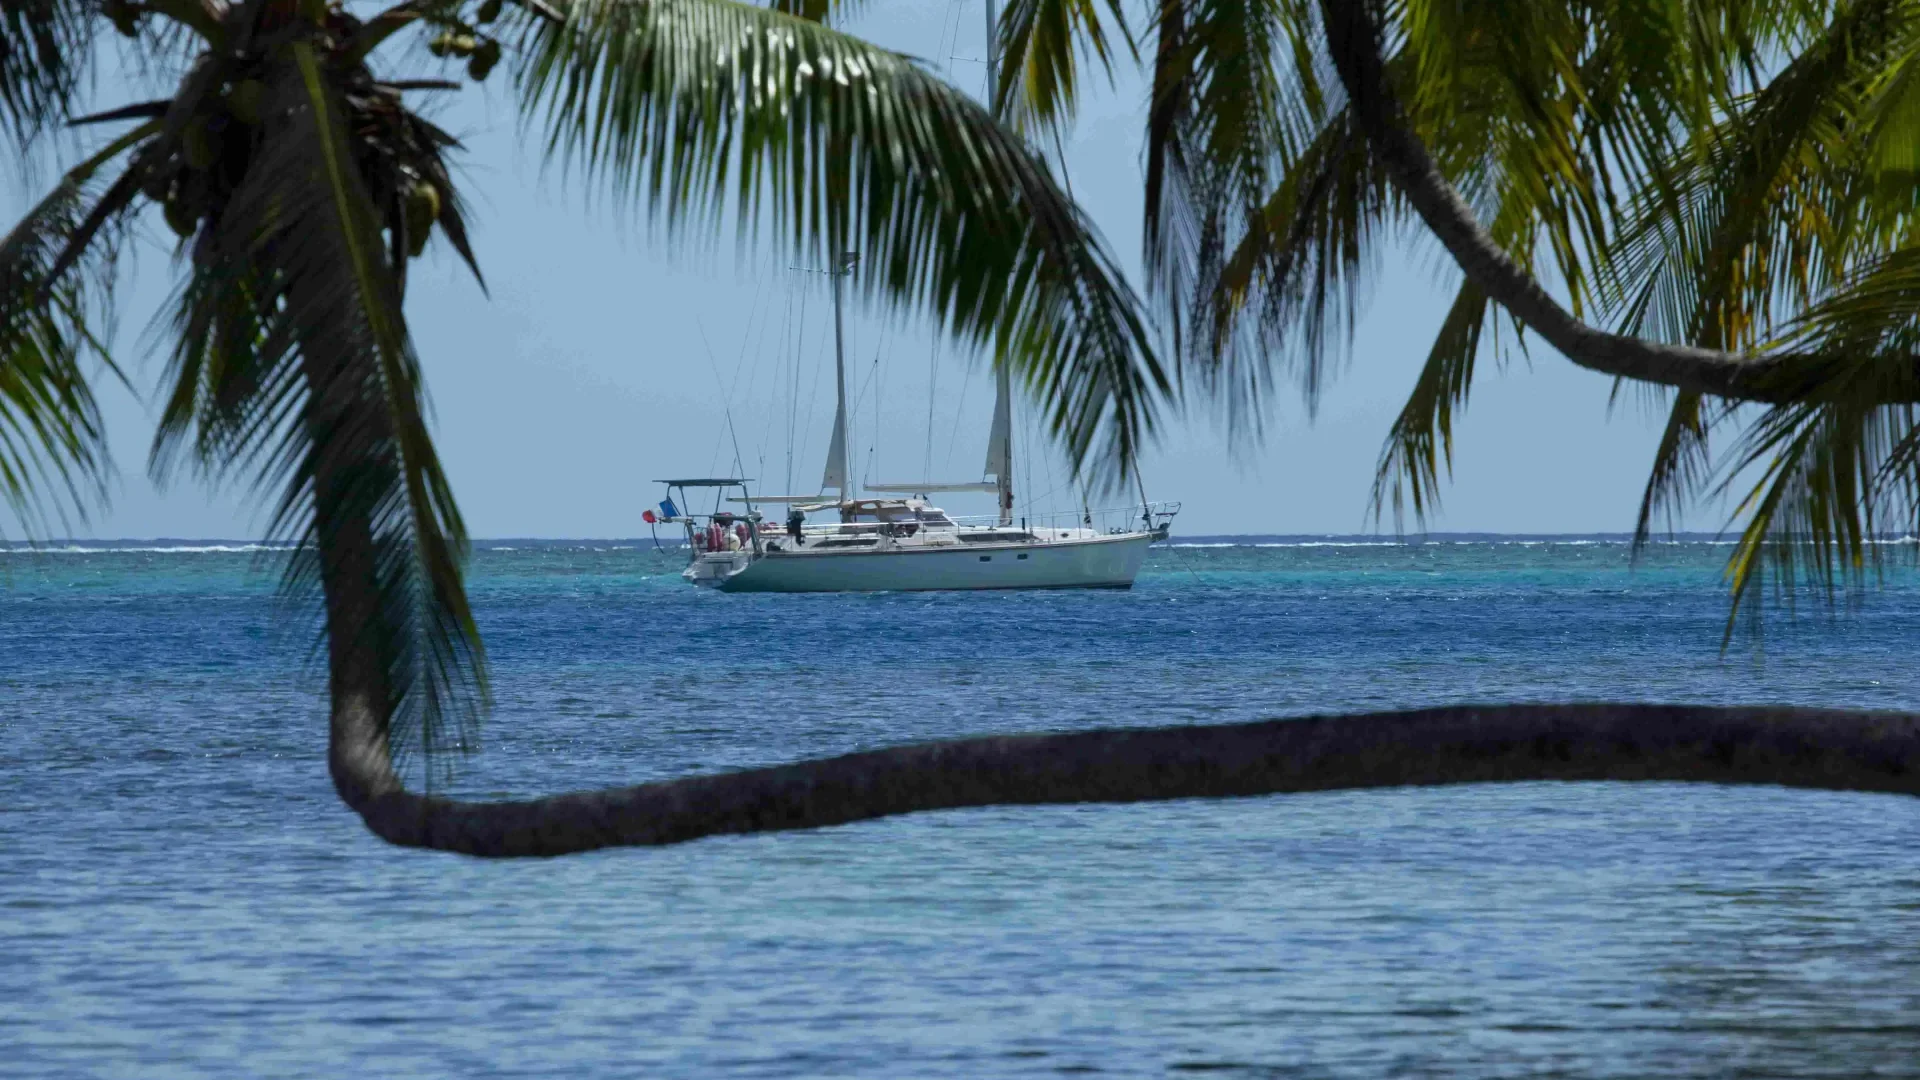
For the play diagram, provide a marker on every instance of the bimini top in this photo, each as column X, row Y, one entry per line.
column 705, row 482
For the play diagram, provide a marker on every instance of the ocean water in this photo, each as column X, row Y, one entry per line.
column 182, row 895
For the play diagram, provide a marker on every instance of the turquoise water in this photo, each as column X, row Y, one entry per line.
column 181, row 894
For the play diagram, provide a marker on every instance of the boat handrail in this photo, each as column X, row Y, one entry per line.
column 1109, row 521
column 1026, row 528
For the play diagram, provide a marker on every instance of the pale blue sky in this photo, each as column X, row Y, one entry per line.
column 584, row 375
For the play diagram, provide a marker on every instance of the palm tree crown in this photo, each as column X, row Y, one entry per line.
column 301, row 184
column 1721, row 192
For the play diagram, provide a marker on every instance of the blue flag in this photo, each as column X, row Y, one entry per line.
column 667, row 508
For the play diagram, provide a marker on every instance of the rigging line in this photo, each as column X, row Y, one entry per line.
column 727, row 394
column 777, row 376
column 850, row 342
column 879, row 391
column 989, row 56
column 953, row 437
column 1066, row 180
column 794, row 425
column 786, row 379
column 726, row 406
column 739, row 365
column 798, row 357
column 1035, row 448
column 949, row 36
column 720, row 436
column 1184, row 565
column 933, row 387
column 819, row 365
column 949, row 40
column 741, row 370
column 874, row 380
column 759, row 358
column 726, row 401
column 947, row 18
column 1060, row 153
column 1026, row 459
column 873, row 374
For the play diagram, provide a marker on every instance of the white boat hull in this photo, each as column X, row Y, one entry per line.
column 1105, row 562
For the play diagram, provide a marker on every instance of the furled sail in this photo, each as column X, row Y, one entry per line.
column 1000, row 441
column 836, row 474
column 1000, row 436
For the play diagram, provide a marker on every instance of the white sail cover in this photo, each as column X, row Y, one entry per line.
column 836, row 475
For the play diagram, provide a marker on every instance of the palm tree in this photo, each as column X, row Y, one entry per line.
column 301, row 186
column 1727, row 183
column 1758, row 273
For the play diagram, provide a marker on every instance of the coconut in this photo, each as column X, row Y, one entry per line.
column 156, row 184
column 197, row 145
column 422, row 209
column 484, row 57
column 180, row 217
column 246, row 99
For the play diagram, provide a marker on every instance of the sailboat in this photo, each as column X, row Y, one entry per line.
column 892, row 537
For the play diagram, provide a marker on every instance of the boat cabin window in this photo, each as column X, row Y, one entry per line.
column 997, row 537
column 845, row 541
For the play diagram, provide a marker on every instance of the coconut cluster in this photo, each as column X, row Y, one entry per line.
column 214, row 125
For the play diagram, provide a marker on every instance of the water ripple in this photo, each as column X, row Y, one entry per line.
column 181, row 894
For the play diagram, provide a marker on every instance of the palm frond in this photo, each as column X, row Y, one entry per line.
column 1837, row 466
column 1237, row 100
column 1681, row 465
column 1299, row 262
column 1041, row 43
column 697, row 105
column 824, row 12
column 295, row 363
column 1568, row 107
column 1765, row 213
column 58, row 267
column 1816, row 511
column 44, row 48
column 430, row 144
column 1421, row 441
column 1499, row 88
column 1170, row 226
column 1892, row 115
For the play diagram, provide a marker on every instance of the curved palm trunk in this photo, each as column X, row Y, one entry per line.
column 1811, row 748
column 1495, row 744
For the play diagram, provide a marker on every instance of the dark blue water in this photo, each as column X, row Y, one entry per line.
column 180, row 893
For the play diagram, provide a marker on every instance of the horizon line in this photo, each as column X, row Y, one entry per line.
column 1468, row 535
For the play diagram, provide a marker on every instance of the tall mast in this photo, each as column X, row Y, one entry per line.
column 838, row 454
column 1000, row 438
